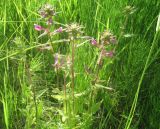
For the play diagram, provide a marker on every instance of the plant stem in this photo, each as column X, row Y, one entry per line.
column 34, row 91
column 97, row 71
column 72, row 71
column 65, row 94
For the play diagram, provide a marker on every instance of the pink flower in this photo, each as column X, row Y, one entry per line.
column 59, row 30
column 38, row 27
column 93, row 42
column 109, row 54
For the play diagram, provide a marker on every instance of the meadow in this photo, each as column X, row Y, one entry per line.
column 79, row 64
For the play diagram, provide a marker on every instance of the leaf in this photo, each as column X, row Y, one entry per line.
column 96, row 106
column 40, row 109
column 41, row 93
column 128, row 35
column 82, row 93
column 58, row 97
column 64, row 117
column 103, row 87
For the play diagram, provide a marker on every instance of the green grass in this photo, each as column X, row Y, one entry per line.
column 31, row 96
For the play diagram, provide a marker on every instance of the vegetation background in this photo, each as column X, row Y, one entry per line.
column 134, row 74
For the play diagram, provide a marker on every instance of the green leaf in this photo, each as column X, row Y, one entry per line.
column 96, row 106
column 103, row 87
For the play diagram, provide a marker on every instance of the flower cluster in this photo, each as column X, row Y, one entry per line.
column 74, row 29
column 106, row 40
column 47, row 12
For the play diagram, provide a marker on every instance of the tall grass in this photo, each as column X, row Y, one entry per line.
column 129, row 95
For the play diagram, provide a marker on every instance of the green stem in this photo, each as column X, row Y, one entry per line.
column 97, row 70
column 134, row 104
column 65, row 94
column 34, row 91
column 72, row 71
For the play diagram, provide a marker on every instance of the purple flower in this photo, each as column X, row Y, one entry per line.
column 93, row 42
column 38, row 27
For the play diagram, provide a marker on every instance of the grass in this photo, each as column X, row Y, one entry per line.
column 127, row 94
